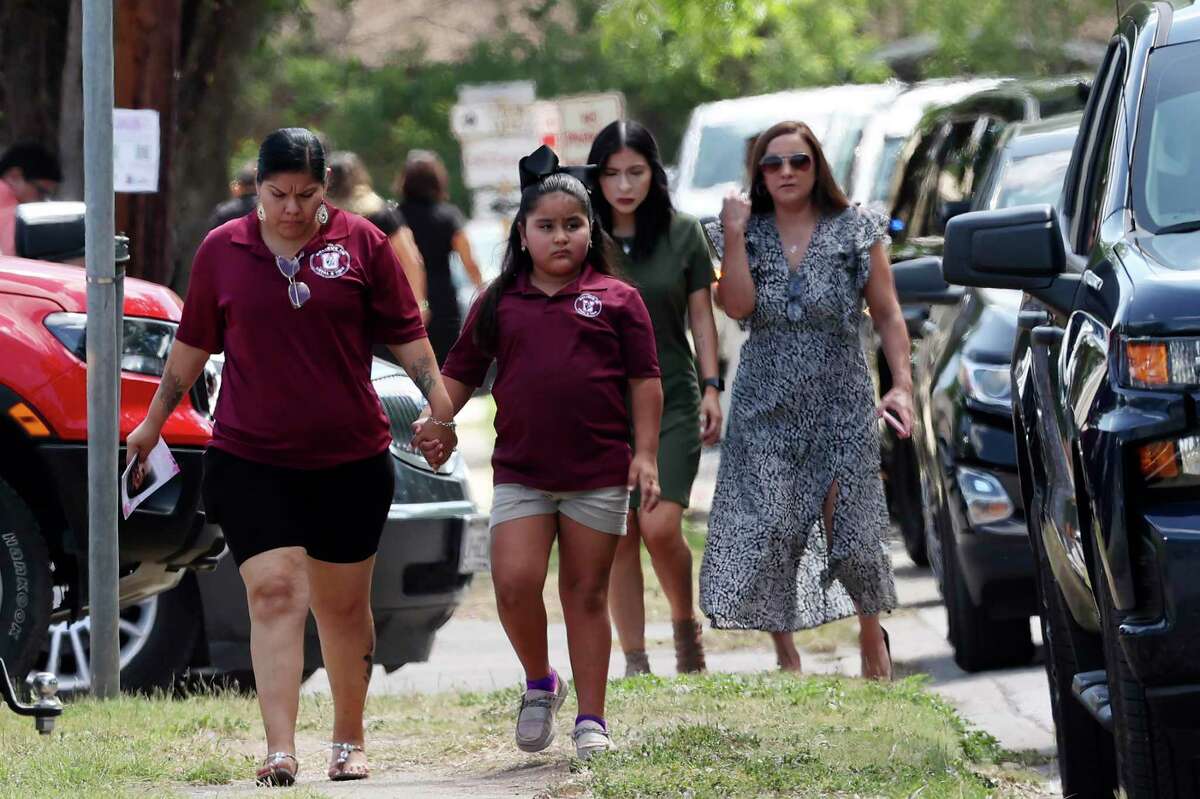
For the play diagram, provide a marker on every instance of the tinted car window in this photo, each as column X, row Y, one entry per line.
column 955, row 163
column 881, row 185
column 1032, row 180
column 1167, row 158
column 911, row 196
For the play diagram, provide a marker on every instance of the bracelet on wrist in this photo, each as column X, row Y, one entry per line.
column 450, row 425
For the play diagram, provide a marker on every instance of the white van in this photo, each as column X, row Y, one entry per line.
column 888, row 129
column 712, row 155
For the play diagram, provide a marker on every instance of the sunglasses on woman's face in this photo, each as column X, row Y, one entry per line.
column 799, row 162
column 298, row 291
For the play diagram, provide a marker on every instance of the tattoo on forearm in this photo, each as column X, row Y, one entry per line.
column 422, row 374
column 170, row 391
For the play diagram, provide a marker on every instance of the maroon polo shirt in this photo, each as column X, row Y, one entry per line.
column 296, row 387
column 562, row 376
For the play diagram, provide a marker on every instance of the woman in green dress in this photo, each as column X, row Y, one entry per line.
column 665, row 255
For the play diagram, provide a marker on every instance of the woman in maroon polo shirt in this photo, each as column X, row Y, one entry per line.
column 570, row 342
column 298, row 474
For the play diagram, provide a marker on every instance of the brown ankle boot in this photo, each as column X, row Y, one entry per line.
column 689, row 649
column 636, row 663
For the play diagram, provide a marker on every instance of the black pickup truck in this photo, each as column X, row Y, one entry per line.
column 1105, row 386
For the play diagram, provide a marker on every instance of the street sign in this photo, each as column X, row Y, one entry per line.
column 491, row 163
column 135, row 150
column 582, row 117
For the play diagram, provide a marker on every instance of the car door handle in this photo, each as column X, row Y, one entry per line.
column 1047, row 335
column 1028, row 320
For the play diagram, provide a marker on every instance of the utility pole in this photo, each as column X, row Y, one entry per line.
column 104, row 320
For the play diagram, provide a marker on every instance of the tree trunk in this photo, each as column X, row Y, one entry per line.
column 147, row 59
column 32, row 37
column 70, row 113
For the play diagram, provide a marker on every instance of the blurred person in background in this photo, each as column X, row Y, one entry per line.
column 350, row 188
column 29, row 173
column 798, row 529
column 438, row 228
column 664, row 254
column 243, row 198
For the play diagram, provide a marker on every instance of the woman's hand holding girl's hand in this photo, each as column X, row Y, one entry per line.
column 735, row 212
column 899, row 403
column 643, row 475
column 434, row 441
column 710, row 418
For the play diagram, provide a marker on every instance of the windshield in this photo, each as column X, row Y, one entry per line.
column 1167, row 158
column 1033, row 180
column 723, row 149
column 881, row 187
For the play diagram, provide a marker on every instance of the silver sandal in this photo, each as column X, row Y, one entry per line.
column 273, row 773
column 337, row 769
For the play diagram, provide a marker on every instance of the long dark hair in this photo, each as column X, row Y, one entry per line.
column 827, row 195
column 517, row 261
column 653, row 217
column 424, row 179
column 291, row 150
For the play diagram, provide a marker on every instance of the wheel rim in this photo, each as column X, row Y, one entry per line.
column 68, row 649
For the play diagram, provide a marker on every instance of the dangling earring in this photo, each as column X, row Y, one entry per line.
column 322, row 214
column 522, row 246
column 261, row 213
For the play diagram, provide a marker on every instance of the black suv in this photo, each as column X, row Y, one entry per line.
column 974, row 526
column 1105, row 383
column 944, row 163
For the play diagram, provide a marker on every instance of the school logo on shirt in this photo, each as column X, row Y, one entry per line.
column 588, row 304
column 332, row 261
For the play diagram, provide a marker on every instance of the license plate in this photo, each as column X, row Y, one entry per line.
column 475, row 552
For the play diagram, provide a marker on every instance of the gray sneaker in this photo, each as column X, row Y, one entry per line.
column 535, row 721
column 590, row 739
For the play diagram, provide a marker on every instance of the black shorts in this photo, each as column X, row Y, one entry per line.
column 336, row 514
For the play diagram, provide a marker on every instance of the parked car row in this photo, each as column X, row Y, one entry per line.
column 433, row 542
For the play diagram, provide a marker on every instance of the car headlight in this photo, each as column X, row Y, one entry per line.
column 1171, row 460
column 1161, row 362
column 986, row 499
column 987, row 383
column 145, row 343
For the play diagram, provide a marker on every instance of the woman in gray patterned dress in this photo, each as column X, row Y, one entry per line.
column 798, row 531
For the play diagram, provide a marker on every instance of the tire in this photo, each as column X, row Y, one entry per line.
column 162, row 661
column 904, row 497
column 980, row 642
column 1144, row 767
column 26, row 590
column 1085, row 749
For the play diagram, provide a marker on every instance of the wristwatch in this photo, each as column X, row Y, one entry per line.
column 716, row 382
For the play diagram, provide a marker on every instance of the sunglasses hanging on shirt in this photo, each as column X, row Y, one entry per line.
column 799, row 162
column 298, row 291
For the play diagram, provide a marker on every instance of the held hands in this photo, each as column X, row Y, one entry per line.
column 434, row 441
column 899, row 403
column 710, row 418
column 735, row 212
column 643, row 475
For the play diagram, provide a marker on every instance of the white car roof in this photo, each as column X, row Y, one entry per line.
column 767, row 106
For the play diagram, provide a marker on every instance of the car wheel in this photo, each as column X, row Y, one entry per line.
column 1085, row 749
column 26, row 592
column 904, row 497
column 157, row 638
column 980, row 642
column 933, row 536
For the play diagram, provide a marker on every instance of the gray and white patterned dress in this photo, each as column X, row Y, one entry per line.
column 802, row 419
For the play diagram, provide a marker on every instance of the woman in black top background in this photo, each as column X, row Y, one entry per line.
column 438, row 228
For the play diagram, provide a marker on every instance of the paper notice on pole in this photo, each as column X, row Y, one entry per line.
column 135, row 150
column 159, row 468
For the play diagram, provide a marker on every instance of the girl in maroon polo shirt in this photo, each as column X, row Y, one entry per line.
column 571, row 343
column 298, row 474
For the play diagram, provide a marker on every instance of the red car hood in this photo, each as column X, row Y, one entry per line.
column 67, row 286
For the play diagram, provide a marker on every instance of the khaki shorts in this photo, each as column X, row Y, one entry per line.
column 602, row 509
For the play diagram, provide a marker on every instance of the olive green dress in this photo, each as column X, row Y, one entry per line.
column 679, row 265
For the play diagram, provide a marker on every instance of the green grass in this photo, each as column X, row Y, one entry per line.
column 727, row 736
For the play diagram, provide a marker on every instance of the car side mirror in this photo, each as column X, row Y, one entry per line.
column 50, row 231
column 919, row 282
column 949, row 210
column 1011, row 248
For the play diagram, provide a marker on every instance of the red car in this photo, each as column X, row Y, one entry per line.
column 43, row 441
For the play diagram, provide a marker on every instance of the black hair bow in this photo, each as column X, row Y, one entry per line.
column 542, row 163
